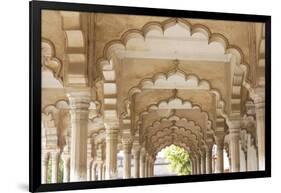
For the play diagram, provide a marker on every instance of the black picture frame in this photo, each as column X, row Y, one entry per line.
column 35, row 95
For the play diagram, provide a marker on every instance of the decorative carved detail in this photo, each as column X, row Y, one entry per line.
column 241, row 67
column 49, row 59
column 181, row 103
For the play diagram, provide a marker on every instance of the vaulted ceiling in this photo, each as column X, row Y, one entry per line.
column 162, row 80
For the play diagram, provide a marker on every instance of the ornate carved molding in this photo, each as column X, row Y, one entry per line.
column 49, row 59
column 239, row 77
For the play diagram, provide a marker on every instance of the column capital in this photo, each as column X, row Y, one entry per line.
column 258, row 94
column 220, row 139
column 79, row 99
column 234, row 126
column 203, row 151
column 65, row 156
column 142, row 155
column 55, row 153
column 111, row 125
column 259, row 101
column 111, row 133
column 127, row 140
column 45, row 154
column 234, row 122
column 136, row 151
column 127, row 145
column 136, row 146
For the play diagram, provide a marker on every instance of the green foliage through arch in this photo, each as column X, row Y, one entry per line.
column 179, row 159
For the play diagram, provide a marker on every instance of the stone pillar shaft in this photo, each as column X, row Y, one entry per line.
column 66, row 169
column 136, row 163
column 194, row 165
column 198, row 165
column 219, row 161
column 234, row 151
column 94, row 171
column 111, row 152
column 203, row 162
column 103, row 172
column 209, row 160
column 127, row 160
column 260, row 117
column 152, row 168
column 89, row 170
column 79, row 112
column 55, row 167
column 100, row 171
column 44, row 168
column 142, row 165
column 234, row 147
column 146, row 166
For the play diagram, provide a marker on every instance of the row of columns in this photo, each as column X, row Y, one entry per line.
column 76, row 163
column 143, row 164
column 55, row 158
column 96, row 169
column 201, row 163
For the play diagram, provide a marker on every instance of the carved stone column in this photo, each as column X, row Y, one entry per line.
column 194, row 169
column 152, row 167
column 219, row 160
column 89, row 169
column 142, row 163
column 234, row 135
column 44, row 168
column 146, row 165
column 127, row 147
column 203, row 161
column 79, row 111
column 219, row 138
column 100, row 170
column 260, row 117
column 198, row 169
column 136, row 153
column 55, row 166
column 66, row 158
column 66, row 168
column 192, row 165
column 100, row 159
column 209, row 151
column 104, row 171
column 111, row 152
column 94, row 171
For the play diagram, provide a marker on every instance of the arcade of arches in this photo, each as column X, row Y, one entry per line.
column 137, row 84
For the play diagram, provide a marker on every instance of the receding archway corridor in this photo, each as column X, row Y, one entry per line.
column 116, row 91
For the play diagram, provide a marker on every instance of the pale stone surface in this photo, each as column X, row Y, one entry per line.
column 133, row 85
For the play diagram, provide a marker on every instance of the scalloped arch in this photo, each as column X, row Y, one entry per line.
column 184, row 104
column 187, row 81
column 197, row 138
column 173, row 131
column 171, row 119
column 161, row 27
column 193, row 30
column 168, row 141
column 60, row 104
column 49, row 59
column 175, row 128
